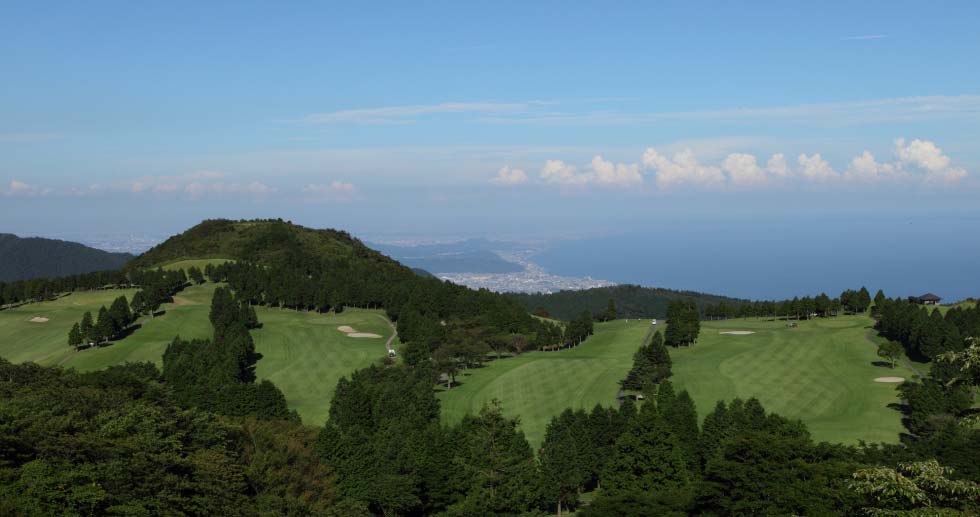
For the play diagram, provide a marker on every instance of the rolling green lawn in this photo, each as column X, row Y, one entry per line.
column 305, row 355
column 302, row 353
column 537, row 386
column 47, row 343
column 821, row 373
column 187, row 317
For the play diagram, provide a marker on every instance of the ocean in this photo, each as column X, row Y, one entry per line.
column 781, row 259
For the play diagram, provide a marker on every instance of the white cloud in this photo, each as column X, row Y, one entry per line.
column 815, row 168
column 922, row 153
column 618, row 175
column 558, row 172
column 404, row 114
column 334, row 191
column 194, row 185
column 927, row 156
column 171, row 184
column 19, row 188
column 683, row 168
column 744, row 170
column 777, row 166
column 509, row 176
column 867, row 169
column 600, row 172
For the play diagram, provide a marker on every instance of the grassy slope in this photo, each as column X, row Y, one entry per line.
column 187, row 318
column 821, row 372
column 305, row 354
column 47, row 343
column 537, row 386
column 187, row 264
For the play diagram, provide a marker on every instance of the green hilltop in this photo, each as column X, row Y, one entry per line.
column 270, row 240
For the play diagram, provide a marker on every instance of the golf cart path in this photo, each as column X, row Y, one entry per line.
column 394, row 331
column 905, row 362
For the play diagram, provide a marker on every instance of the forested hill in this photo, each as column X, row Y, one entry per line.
column 632, row 301
column 266, row 241
column 277, row 263
column 35, row 257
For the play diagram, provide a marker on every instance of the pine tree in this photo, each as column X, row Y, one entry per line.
column 497, row 466
column 75, row 336
column 863, row 300
column 648, row 459
column 138, row 304
column 86, row 326
column 565, row 457
column 610, row 313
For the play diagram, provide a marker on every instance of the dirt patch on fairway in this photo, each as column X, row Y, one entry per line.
column 39, row 319
column 890, row 379
column 179, row 300
column 737, row 332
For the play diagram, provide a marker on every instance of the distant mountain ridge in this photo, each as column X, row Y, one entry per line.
column 632, row 301
column 24, row 258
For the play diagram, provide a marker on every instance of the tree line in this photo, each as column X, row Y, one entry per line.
column 926, row 334
column 651, row 365
column 630, row 301
column 392, row 456
column 158, row 287
column 116, row 441
column 683, row 324
column 821, row 306
column 43, row 289
column 452, row 326
column 218, row 374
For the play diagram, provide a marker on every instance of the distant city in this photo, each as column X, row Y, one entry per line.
column 500, row 266
column 134, row 243
column 533, row 279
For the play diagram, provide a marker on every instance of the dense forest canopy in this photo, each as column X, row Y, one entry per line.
column 35, row 257
column 631, row 301
column 204, row 436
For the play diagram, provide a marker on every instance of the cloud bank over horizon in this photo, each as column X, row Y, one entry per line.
column 916, row 163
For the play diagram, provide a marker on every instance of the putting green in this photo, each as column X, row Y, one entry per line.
column 305, row 355
column 537, row 386
column 822, row 372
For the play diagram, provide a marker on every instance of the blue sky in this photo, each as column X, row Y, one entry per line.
column 511, row 119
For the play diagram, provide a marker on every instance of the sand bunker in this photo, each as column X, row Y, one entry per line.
column 351, row 332
column 890, row 379
column 738, row 332
column 39, row 319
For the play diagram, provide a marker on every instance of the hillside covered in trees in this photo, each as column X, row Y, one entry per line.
column 631, row 301
column 205, row 436
column 24, row 258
